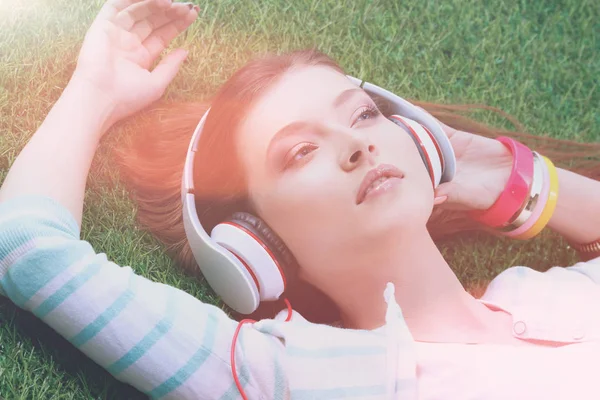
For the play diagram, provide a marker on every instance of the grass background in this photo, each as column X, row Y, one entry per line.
column 538, row 60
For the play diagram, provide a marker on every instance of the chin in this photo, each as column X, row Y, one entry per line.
column 397, row 221
column 396, row 212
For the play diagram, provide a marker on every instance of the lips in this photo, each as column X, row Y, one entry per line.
column 375, row 177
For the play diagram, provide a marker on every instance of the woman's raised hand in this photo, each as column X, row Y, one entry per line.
column 483, row 166
column 122, row 44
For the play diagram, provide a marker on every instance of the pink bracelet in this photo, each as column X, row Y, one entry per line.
column 517, row 188
column 539, row 207
column 534, row 193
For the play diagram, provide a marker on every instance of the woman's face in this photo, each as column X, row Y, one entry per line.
column 307, row 145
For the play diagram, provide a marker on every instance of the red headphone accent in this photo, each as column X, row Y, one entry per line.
column 249, row 270
column 418, row 139
column 235, row 335
column 437, row 147
column 242, row 322
column 264, row 247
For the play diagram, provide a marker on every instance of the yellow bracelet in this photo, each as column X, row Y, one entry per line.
column 550, row 204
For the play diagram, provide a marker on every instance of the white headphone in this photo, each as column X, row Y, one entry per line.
column 243, row 260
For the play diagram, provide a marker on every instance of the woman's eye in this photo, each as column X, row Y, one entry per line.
column 302, row 152
column 367, row 113
column 299, row 152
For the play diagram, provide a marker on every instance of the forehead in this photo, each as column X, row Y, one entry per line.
column 304, row 93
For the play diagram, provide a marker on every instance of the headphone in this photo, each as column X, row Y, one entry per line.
column 243, row 260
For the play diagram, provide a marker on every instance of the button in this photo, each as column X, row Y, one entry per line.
column 519, row 327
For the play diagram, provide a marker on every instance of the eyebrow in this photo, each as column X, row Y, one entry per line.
column 288, row 130
column 294, row 127
column 346, row 95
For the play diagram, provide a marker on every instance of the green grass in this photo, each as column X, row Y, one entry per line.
column 537, row 60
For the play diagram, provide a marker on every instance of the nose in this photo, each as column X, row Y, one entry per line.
column 358, row 150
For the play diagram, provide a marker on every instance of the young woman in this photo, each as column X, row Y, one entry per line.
column 410, row 330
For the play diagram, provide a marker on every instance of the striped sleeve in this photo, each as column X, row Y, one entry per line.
column 159, row 339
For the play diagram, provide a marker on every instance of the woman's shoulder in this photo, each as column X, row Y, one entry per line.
column 584, row 272
column 520, row 280
column 560, row 304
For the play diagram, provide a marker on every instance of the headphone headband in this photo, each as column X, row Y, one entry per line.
column 225, row 273
column 214, row 261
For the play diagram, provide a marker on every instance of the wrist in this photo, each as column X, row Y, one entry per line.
column 513, row 189
column 577, row 216
column 544, row 206
column 528, row 199
column 501, row 152
column 86, row 98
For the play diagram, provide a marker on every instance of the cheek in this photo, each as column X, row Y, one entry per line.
column 310, row 200
column 315, row 191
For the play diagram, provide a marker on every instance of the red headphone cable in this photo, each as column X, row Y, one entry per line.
column 235, row 335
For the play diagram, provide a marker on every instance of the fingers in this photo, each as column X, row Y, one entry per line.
column 143, row 29
column 166, row 70
column 160, row 38
column 139, row 11
column 112, row 7
column 450, row 197
column 439, row 200
column 443, row 191
column 121, row 5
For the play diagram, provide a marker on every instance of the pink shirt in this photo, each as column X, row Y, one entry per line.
column 560, row 307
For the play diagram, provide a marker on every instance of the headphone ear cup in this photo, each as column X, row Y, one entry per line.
column 275, row 244
column 428, row 148
column 262, row 252
column 417, row 144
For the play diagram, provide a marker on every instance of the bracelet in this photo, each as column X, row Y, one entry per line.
column 536, row 189
column 593, row 247
column 539, row 206
column 517, row 188
column 548, row 211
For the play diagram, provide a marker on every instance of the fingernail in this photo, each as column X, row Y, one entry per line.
column 440, row 199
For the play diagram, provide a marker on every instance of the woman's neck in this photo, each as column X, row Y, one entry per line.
column 434, row 303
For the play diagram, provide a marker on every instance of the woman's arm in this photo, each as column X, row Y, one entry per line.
column 158, row 339
column 57, row 159
column 577, row 214
column 484, row 166
column 111, row 81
